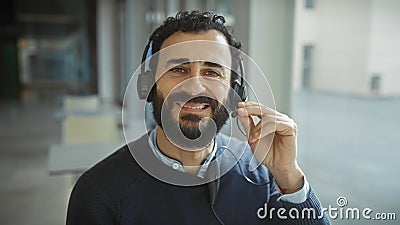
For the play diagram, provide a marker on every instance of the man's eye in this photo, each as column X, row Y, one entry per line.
column 212, row 73
column 177, row 70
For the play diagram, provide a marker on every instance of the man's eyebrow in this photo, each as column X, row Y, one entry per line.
column 212, row 64
column 177, row 61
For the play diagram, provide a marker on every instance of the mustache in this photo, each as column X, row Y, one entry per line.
column 185, row 97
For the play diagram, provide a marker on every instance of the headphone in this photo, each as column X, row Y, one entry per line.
column 146, row 79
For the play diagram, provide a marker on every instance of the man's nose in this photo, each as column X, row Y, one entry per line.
column 194, row 84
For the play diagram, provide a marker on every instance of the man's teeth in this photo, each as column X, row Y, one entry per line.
column 195, row 107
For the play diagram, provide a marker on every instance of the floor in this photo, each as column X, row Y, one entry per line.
column 28, row 194
column 348, row 146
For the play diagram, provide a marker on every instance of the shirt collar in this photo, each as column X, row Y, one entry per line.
column 173, row 163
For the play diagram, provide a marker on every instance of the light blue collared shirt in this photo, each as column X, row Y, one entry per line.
column 175, row 164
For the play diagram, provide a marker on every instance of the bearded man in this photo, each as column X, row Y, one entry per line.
column 185, row 171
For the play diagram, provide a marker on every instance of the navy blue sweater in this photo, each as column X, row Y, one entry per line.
column 118, row 191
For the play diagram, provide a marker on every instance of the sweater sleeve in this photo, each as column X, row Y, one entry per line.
column 305, row 213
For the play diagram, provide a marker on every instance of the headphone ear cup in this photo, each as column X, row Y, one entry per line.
column 141, row 86
column 234, row 96
column 238, row 93
column 144, row 85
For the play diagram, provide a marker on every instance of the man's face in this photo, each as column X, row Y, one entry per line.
column 191, row 90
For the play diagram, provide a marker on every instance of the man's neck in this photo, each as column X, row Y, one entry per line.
column 191, row 159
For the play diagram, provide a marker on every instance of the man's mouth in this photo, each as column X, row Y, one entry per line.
column 193, row 106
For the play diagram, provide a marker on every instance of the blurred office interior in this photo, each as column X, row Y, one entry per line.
column 64, row 65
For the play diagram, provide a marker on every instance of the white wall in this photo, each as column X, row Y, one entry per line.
column 107, row 45
column 240, row 11
column 384, row 52
column 304, row 33
column 270, row 46
column 352, row 39
column 338, row 30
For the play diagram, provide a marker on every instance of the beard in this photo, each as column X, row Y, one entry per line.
column 191, row 125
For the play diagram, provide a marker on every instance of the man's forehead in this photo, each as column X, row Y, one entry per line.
column 208, row 35
column 211, row 52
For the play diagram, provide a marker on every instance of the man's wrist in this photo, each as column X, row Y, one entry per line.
column 291, row 190
column 297, row 197
column 289, row 180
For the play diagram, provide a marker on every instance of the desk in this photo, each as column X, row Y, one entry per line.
column 60, row 114
column 77, row 158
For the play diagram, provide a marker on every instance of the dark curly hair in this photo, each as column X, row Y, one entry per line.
column 195, row 21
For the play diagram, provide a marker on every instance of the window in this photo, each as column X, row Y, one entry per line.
column 309, row 4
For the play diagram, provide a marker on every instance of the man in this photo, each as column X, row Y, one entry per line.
column 167, row 178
